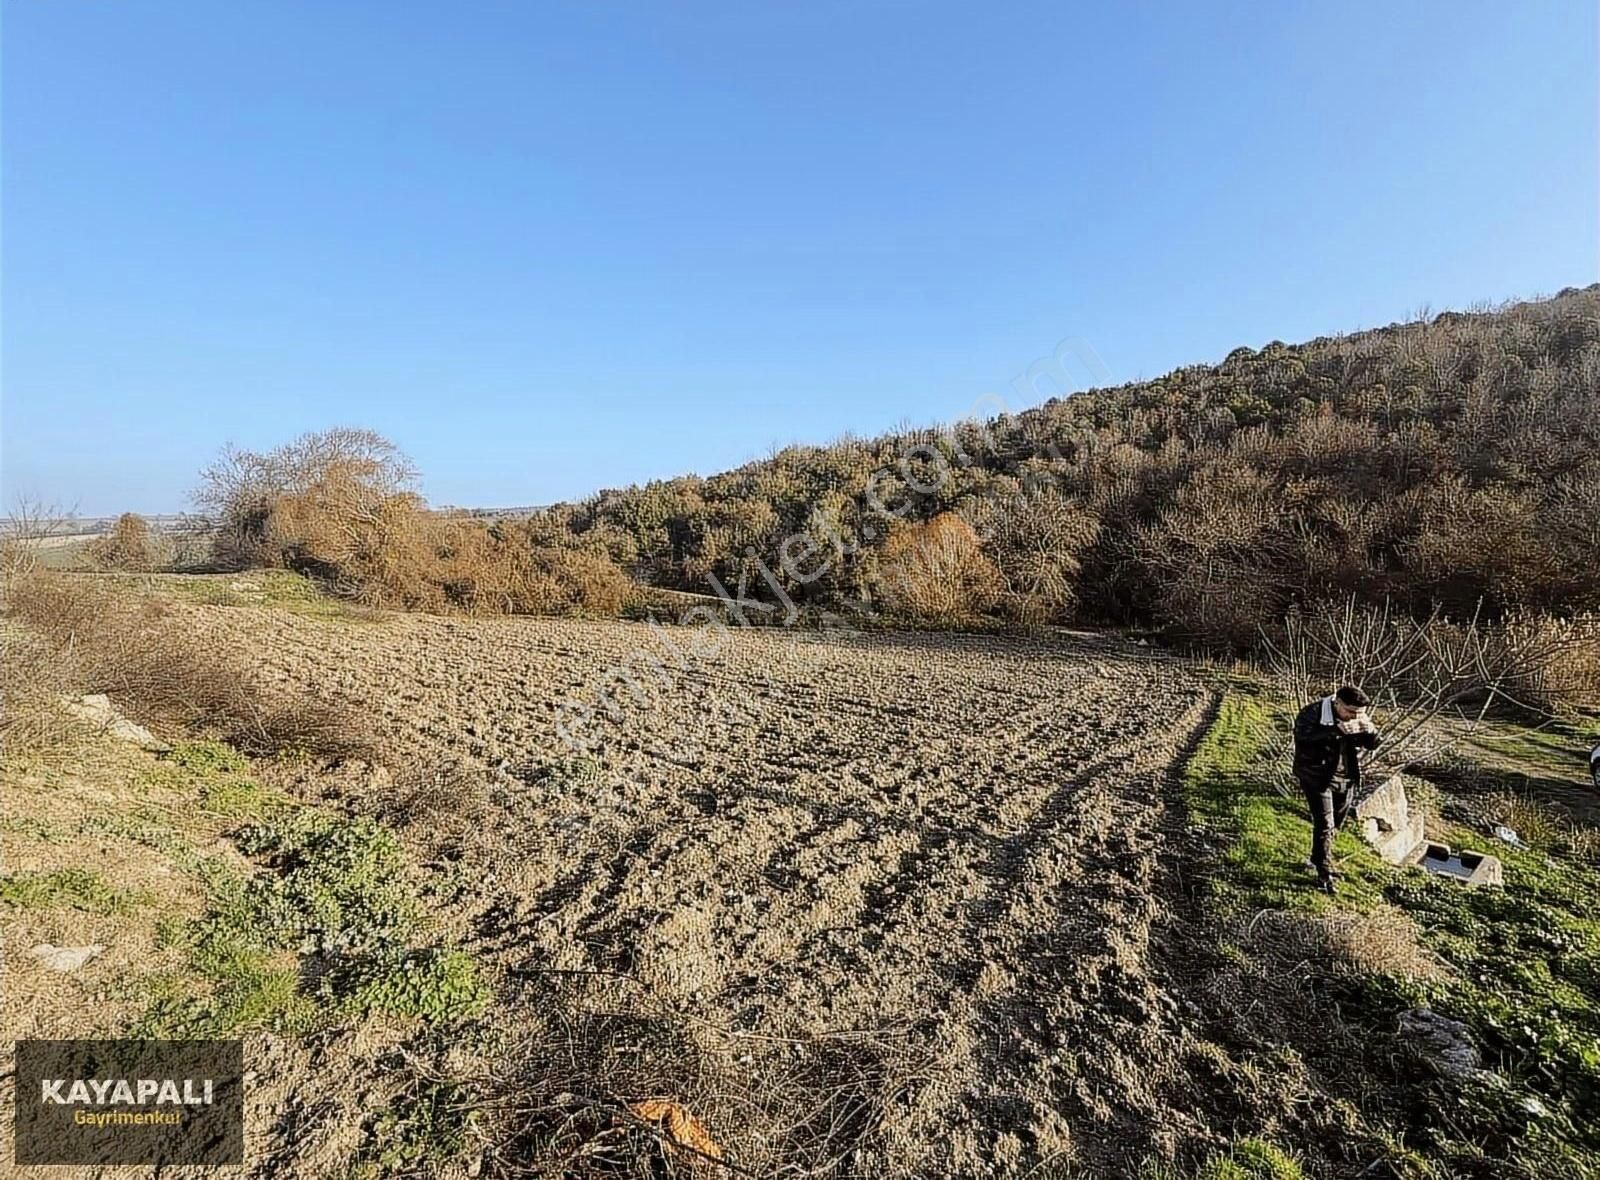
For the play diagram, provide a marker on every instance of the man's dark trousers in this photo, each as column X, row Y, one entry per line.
column 1330, row 807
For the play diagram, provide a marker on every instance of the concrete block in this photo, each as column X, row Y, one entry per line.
column 1388, row 823
column 1472, row 868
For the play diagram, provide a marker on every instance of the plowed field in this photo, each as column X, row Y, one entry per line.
column 950, row 852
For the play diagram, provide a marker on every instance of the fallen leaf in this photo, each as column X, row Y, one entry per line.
column 681, row 1128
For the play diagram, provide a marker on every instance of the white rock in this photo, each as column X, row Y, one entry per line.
column 97, row 709
column 65, row 958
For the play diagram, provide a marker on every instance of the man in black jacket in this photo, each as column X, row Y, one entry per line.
column 1327, row 735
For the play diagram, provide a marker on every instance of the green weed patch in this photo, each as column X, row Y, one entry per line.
column 1525, row 965
column 329, row 929
column 416, row 1130
column 1268, row 835
column 75, row 889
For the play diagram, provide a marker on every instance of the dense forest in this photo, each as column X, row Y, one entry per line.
column 1453, row 460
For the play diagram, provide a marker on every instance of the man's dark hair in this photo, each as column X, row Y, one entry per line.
column 1352, row 697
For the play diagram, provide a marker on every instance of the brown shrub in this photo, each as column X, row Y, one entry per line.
column 379, row 548
column 1564, row 670
column 130, row 546
column 937, row 571
column 1223, row 556
column 1488, row 545
column 349, row 469
column 339, row 508
column 498, row 570
column 90, row 637
column 33, row 676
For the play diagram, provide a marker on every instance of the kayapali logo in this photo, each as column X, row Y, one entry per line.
column 130, row 1102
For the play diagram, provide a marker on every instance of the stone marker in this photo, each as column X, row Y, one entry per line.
column 1397, row 831
column 1473, row 868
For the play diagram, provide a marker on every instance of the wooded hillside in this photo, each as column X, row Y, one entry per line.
column 1453, row 460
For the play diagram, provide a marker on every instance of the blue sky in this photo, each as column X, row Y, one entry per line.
column 549, row 248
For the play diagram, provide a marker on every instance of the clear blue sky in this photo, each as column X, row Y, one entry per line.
column 553, row 248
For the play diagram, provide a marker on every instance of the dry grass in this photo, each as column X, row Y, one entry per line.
column 1381, row 942
column 74, row 634
column 1566, row 670
column 566, row 1098
column 1540, row 823
column 1275, row 988
column 33, row 676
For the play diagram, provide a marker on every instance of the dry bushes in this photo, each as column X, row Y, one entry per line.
column 394, row 553
column 1221, row 554
column 1564, row 668
column 82, row 636
column 1037, row 541
column 1452, row 463
column 580, row 1094
column 241, row 489
column 937, row 571
column 498, row 570
column 341, row 507
column 1275, row 986
column 33, row 677
column 1381, row 942
column 130, row 546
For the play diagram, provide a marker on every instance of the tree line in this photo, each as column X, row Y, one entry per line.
column 1451, row 463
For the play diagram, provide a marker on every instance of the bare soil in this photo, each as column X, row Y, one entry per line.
column 946, row 852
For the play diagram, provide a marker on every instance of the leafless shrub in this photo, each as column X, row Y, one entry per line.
column 193, row 542
column 26, row 530
column 352, row 468
column 1221, row 553
column 1037, row 541
column 1566, row 670
column 1499, row 546
column 1418, row 672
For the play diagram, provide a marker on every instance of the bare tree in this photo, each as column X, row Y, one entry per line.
column 27, row 531
column 1435, row 680
column 242, row 489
